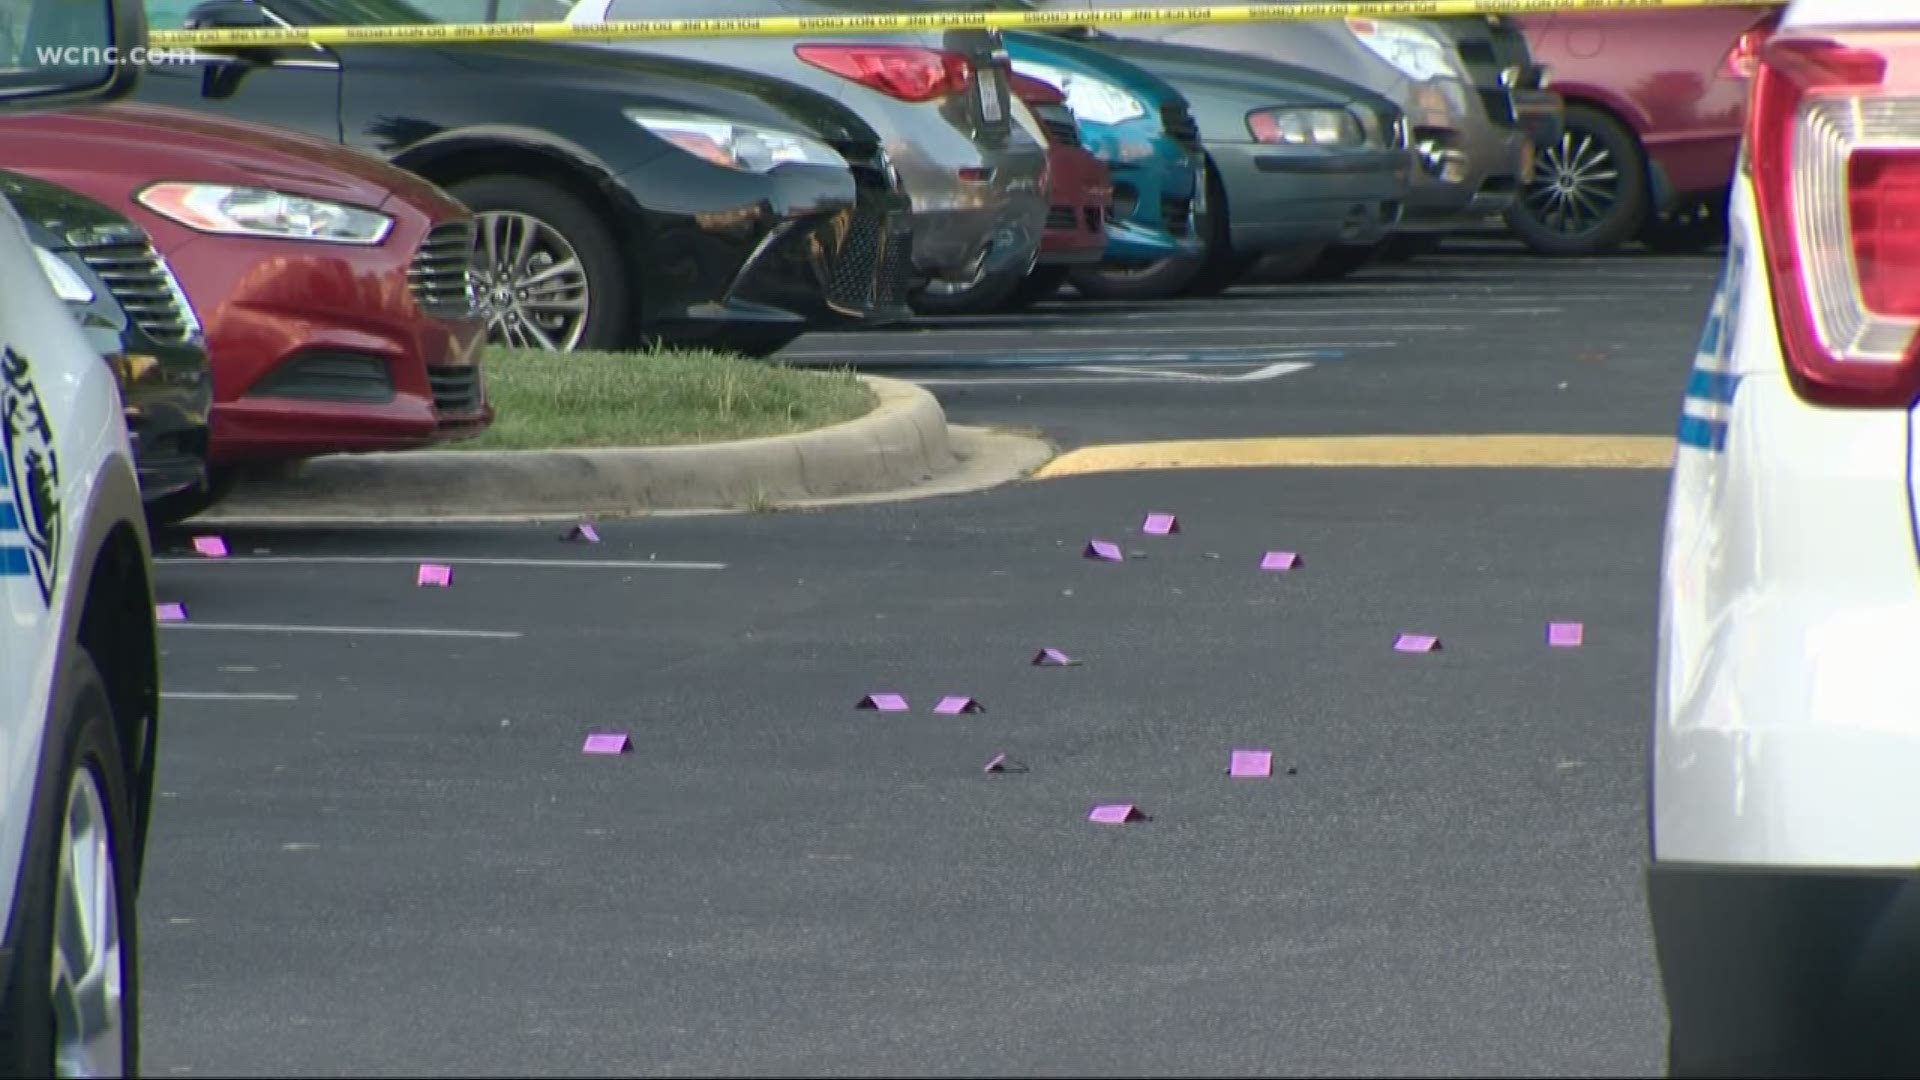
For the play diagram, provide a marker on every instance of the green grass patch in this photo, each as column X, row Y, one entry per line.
column 667, row 397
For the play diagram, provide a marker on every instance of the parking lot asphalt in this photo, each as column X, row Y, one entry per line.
column 380, row 850
column 1480, row 338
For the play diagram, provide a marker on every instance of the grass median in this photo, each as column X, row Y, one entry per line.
column 669, row 397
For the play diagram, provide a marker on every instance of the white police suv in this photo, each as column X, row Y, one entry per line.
column 78, row 660
column 1784, row 884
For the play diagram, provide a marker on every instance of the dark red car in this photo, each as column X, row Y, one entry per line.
column 1081, row 193
column 1654, row 106
column 332, row 287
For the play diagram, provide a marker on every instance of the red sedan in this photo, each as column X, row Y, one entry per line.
column 1655, row 102
column 1080, row 195
column 331, row 286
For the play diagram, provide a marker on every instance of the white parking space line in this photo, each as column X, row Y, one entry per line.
column 208, row 695
column 1104, row 376
column 571, row 564
column 387, row 631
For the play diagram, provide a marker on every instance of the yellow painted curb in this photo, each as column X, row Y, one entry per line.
column 1373, row 451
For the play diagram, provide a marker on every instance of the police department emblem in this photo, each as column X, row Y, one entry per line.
column 33, row 469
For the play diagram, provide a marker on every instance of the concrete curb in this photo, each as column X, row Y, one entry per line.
column 901, row 444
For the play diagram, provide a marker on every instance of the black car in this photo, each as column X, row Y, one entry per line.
column 623, row 198
column 134, row 314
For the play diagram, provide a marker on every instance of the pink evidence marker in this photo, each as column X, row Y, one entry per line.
column 1279, row 560
column 1104, row 550
column 1053, row 658
column 883, row 703
column 1565, row 635
column 1417, row 643
column 1001, row 763
column 608, row 743
column 211, row 546
column 1117, row 814
column 1160, row 525
column 435, row 574
column 1251, row 763
column 955, row 704
column 583, row 531
column 170, row 612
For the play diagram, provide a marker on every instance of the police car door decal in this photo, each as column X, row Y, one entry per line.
column 30, row 483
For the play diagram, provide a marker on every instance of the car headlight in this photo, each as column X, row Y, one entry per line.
column 67, row 284
column 1306, row 127
column 245, row 211
column 1090, row 99
column 734, row 145
column 1411, row 49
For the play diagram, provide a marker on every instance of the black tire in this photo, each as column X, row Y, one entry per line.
column 170, row 510
column 1536, row 218
column 1342, row 260
column 82, row 739
column 610, row 306
column 1042, row 284
column 983, row 297
column 1687, row 231
column 1161, row 280
column 1224, row 267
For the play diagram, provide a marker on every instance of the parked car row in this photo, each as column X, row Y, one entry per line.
column 296, row 250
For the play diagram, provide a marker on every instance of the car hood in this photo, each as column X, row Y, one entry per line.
column 1065, row 52
column 141, row 144
column 647, row 80
column 1262, row 82
column 60, row 220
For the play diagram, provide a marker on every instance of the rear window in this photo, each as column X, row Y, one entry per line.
column 626, row 10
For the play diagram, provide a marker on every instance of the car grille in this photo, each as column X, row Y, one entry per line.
column 1060, row 217
column 440, row 274
column 870, row 270
column 1180, row 124
column 145, row 288
column 1060, row 125
column 1176, row 214
column 456, row 390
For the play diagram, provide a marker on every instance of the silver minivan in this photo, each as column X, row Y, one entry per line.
column 943, row 102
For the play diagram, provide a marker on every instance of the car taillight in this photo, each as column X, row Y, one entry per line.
column 902, row 71
column 1834, row 138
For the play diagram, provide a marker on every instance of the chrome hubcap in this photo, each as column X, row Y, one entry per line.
column 1576, row 185
column 89, row 1003
column 528, row 283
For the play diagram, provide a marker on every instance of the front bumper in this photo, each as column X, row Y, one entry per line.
column 1082, row 198
column 752, row 261
column 319, row 350
column 1770, row 972
column 166, row 386
column 1472, row 164
column 1280, row 197
column 1156, row 179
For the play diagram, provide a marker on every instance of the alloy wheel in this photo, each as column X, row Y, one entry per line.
column 1576, row 184
column 529, row 283
column 89, row 1001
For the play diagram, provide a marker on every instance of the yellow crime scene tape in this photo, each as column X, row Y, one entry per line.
column 792, row 25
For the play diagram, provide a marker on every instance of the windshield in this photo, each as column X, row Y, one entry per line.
column 369, row 13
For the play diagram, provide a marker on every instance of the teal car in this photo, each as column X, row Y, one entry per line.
column 1142, row 129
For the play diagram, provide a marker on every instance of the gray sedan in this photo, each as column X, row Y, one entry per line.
column 1472, row 147
column 941, row 100
column 1297, row 160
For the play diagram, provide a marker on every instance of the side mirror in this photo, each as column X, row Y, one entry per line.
column 59, row 53
column 227, row 15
